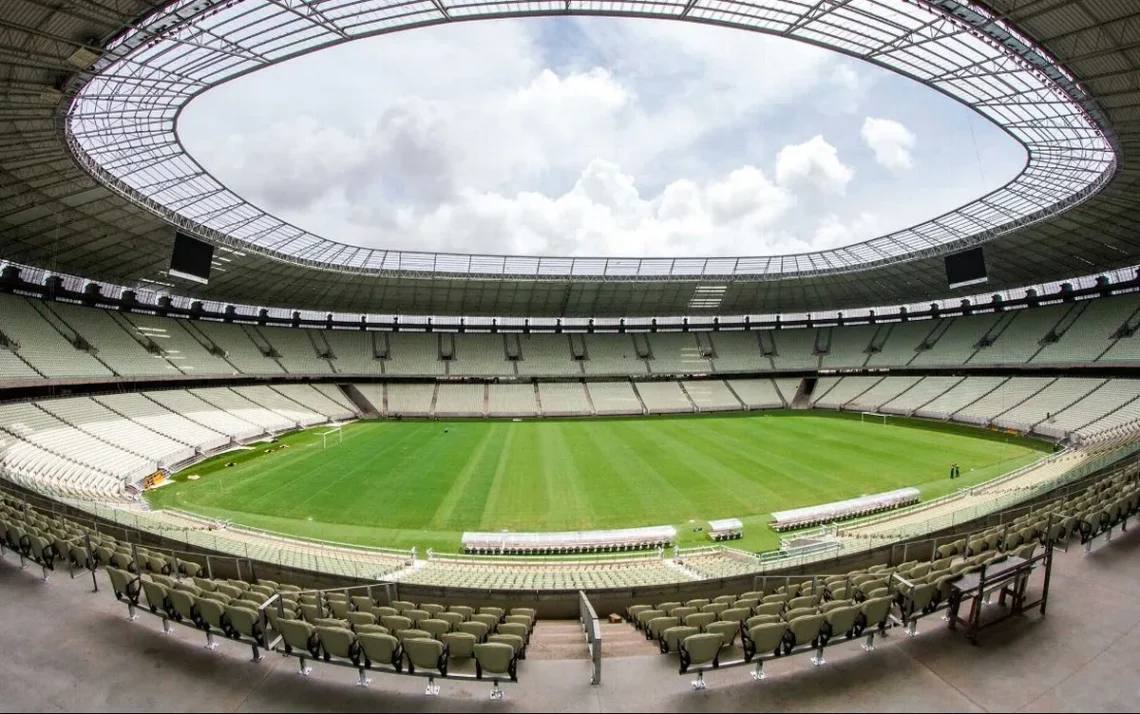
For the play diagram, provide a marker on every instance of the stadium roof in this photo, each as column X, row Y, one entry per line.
column 1078, row 121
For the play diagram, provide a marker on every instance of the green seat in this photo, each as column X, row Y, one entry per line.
column 478, row 629
column 670, row 640
column 436, row 628
column 451, row 618
column 402, row 605
column 212, row 612
column 830, row 605
column 804, row 629
column 339, row 608
column 228, row 589
column 299, row 635
column 412, row 634
column 526, row 611
column 339, row 642
column 463, row 610
column 653, row 628
column 514, row 641
column 700, row 620
column 245, row 622
column 523, row 620
column 380, row 648
column 633, row 611
column 432, row 609
column 363, row 603
column 763, row 638
column 124, row 585
column 699, row 650
column 182, row 604
column 383, row 611
column 799, row 612
column 396, row 623
column 460, row 645
column 425, row 654
column 668, row 607
column 355, row 619
column 841, row 621
column 496, row 660
column 682, row 612
column 311, row 612
column 205, row 584
column 726, row 629
column 496, row 612
column 761, row 620
column 736, row 614
column 487, row 619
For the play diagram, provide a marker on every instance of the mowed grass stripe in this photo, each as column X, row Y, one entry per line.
column 564, row 469
column 458, row 489
column 640, row 468
column 491, row 503
column 422, row 483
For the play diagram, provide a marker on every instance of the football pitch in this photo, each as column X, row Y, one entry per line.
column 403, row 484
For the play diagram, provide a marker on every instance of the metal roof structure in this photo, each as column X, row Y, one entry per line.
column 93, row 179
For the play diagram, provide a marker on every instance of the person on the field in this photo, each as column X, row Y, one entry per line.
column 955, row 472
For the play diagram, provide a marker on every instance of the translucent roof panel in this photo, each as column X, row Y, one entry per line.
column 121, row 123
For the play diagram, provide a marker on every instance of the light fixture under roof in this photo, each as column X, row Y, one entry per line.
column 707, row 297
column 83, row 58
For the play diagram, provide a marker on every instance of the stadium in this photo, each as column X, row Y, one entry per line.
column 604, row 483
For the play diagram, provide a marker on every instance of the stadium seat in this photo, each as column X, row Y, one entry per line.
column 460, row 645
column 700, row 650
column 426, row 655
column 497, row 660
column 671, row 638
column 380, row 648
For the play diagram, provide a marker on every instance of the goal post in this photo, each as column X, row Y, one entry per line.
column 335, row 432
column 873, row 416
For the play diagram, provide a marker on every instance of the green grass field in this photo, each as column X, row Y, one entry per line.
column 400, row 484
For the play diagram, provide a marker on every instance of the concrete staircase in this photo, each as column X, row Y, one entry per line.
column 564, row 639
column 623, row 640
column 557, row 639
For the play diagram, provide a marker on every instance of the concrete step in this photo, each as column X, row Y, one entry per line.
column 628, row 648
column 558, row 627
column 622, row 640
column 557, row 639
column 557, row 650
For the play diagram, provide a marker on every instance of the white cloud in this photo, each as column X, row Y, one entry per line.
column 634, row 138
column 814, row 164
column 891, row 141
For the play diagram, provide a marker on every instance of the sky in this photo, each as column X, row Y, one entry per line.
column 593, row 137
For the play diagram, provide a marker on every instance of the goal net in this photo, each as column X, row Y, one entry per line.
column 873, row 416
column 334, row 436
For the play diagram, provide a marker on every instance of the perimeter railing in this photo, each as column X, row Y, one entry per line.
column 593, row 629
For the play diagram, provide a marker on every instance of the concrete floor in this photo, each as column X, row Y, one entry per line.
column 67, row 649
